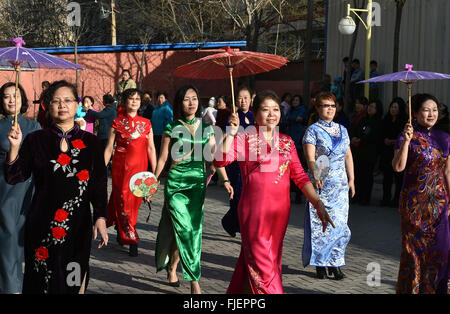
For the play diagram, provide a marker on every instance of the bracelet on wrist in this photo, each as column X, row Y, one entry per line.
column 225, row 181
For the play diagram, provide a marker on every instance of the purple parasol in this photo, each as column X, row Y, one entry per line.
column 25, row 57
column 408, row 76
column 19, row 57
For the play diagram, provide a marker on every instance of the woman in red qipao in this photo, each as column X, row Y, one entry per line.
column 134, row 147
column 268, row 160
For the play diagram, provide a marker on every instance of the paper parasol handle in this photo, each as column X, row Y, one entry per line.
column 17, row 91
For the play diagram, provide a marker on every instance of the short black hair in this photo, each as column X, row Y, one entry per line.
column 108, row 99
column 126, row 70
column 345, row 59
column 23, row 95
column 178, row 102
column 299, row 97
column 379, row 106
column 262, row 96
column 51, row 90
column 90, row 98
column 419, row 99
column 127, row 94
column 283, row 98
column 356, row 61
column 162, row 92
column 363, row 100
column 45, row 83
column 244, row 87
column 374, row 63
column 149, row 93
column 225, row 100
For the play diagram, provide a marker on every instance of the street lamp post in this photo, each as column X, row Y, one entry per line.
column 347, row 26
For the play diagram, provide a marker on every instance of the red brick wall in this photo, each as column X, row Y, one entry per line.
column 103, row 70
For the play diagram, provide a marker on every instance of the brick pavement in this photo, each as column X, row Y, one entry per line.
column 375, row 238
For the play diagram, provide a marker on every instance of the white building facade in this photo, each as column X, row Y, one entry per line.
column 424, row 42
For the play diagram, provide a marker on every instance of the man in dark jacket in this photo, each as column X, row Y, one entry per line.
column 146, row 109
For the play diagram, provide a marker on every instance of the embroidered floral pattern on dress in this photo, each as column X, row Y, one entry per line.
column 256, row 279
column 282, row 170
column 66, row 162
column 284, row 147
column 129, row 130
column 129, row 231
column 422, row 204
column 254, row 143
column 134, row 131
column 41, row 253
column 63, row 160
column 59, row 226
column 254, row 275
column 78, row 144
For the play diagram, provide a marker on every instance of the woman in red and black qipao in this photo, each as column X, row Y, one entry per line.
column 134, row 147
column 70, row 174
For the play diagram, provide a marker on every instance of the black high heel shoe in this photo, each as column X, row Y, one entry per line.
column 175, row 284
column 321, row 272
column 133, row 250
column 117, row 235
column 118, row 239
column 336, row 272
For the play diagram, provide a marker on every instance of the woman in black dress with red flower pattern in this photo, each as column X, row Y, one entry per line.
column 70, row 175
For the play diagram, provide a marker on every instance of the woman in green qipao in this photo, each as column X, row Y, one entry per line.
column 188, row 139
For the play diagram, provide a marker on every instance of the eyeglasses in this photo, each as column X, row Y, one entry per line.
column 328, row 106
column 66, row 102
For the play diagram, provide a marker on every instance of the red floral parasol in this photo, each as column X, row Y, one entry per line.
column 230, row 63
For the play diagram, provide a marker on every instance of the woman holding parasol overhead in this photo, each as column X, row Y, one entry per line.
column 422, row 152
column 20, row 57
column 230, row 221
column 268, row 161
column 68, row 167
column 15, row 200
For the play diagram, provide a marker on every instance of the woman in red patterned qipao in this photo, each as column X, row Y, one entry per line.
column 134, row 147
column 268, row 161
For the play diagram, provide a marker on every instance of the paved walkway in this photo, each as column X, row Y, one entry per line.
column 376, row 239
